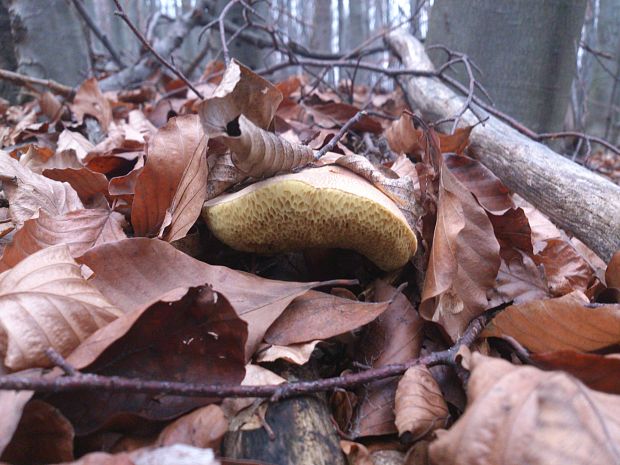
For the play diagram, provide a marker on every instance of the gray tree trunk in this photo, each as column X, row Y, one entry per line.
column 7, row 55
column 321, row 37
column 526, row 50
column 49, row 41
column 604, row 92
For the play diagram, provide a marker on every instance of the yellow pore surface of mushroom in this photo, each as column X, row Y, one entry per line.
column 320, row 207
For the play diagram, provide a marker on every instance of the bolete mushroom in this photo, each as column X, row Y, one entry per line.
column 318, row 207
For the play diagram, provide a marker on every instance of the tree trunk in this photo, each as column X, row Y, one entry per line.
column 525, row 49
column 577, row 200
column 7, row 55
column 321, row 38
column 604, row 92
column 49, row 41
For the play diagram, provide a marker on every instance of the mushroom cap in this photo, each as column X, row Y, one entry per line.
column 317, row 207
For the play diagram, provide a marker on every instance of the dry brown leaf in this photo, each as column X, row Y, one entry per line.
column 316, row 315
column 565, row 269
column 596, row 371
column 191, row 334
column 419, row 406
column 464, row 259
column 492, row 194
column 74, row 143
column 403, row 137
column 335, row 114
column 79, row 230
column 35, row 162
column 241, row 92
column 612, row 273
column 90, row 101
column 135, row 271
column 357, row 454
column 298, row 354
column 50, row 105
column 563, row 323
column 91, row 187
column 519, row 415
column 518, row 281
column 28, row 192
column 255, row 375
column 171, row 188
column 258, row 153
column 168, row 455
column 394, row 337
column 46, row 302
column 202, row 428
column 43, row 435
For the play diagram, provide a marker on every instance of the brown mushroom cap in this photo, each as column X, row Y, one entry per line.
column 318, row 207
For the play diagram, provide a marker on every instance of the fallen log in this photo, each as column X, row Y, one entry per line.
column 577, row 200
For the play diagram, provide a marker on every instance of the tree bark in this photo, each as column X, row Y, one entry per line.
column 7, row 55
column 49, row 41
column 577, row 200
column 525, row 49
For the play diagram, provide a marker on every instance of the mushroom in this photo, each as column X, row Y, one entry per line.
column 318, row 207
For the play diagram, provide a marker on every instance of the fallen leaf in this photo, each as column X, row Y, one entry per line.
column 357, row 454
column 135, row 271
column 563, row 323
column 79, row 230
column 191, row 334
column 46, row 302
column 91, row 187
column 394, row 337
column 176, row 454
column 612, row 274
column 298, row 354
column 335, row 114
column 75, row 144
column 316, row 315
column 525, row 415
column 43, row 435
column 565, row 269
column 12, row 405
column 89, row 100
column 172, row 183
column 223, row 175
column 519, row 281
column 464, row 259
column 35, row 161
column 28, row 192
column 202, row 428
column 241, row 92
column 419, row 405
column 595, row 371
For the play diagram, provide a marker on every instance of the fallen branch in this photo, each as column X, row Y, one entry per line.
column 23, row 80
column 576, row 199
column 76, row 381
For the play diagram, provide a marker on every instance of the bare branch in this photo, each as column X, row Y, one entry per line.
column 23, row 80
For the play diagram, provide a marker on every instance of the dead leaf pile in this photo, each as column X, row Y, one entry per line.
column 104, row 259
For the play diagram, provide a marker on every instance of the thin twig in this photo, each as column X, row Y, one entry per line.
column 79, row 6
column 23, row 80
column 121, row 13
column 87, row 381
column 343, row 130
column 221, row 18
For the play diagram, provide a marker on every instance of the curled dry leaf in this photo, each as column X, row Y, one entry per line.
column 176, row 454
column 298, row 354
column 518, row 280
column 133, row 272
column 255, row 375
column 323, row 207
column 28, row 192
column 189, row 335
column 171, row 188
column 419, row 406
column 316, row 315
column 34, row 161
column 240, row 92
column 12, row 405
column 90, row 101
column 79, row 230
column 46, row 302
column 525, row 415
column 223, row 175
column 464, row 259
column 564, row 323
column 258, row 153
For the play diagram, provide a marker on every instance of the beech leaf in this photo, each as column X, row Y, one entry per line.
column 46, row 302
